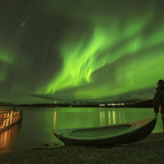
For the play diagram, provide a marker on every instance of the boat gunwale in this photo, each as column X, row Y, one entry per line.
column 124, row 132
column 101, row 127
column 68, row 136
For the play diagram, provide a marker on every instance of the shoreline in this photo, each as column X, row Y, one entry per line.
column 149, row 150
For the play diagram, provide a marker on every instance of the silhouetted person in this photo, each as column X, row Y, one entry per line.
column 14, row 108
column 158, row 102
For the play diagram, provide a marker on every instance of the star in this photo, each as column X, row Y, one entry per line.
column 23, row 24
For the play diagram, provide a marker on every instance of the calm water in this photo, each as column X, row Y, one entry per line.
column 35, row 130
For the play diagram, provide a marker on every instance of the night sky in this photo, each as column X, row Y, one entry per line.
column 61, row 50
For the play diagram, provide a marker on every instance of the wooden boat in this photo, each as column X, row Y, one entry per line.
column 9, row 118
column 107, row 135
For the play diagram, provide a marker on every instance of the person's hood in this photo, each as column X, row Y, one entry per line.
column 161, row 87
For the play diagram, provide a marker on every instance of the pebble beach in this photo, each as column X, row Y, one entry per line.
column 149, row 150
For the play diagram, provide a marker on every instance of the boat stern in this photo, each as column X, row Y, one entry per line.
column 58, row 135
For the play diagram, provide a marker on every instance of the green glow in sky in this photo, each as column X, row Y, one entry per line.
column 5, row 58
column 64, row 50
column 126, row 46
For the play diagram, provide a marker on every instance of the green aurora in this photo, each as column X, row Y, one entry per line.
column 83, row 50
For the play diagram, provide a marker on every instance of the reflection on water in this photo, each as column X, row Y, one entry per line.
column 55, row 120
column 102, row 118
column 38, row 123
column 9, row 138
column 111, row 117
column 94, row 117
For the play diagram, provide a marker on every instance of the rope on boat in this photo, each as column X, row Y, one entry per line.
column 161, row 125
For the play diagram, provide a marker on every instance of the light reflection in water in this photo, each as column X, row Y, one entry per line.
column 102, row 118
column 112, row 117
column 109, row 118
column 120, row 120
column 55, row 119
column 5, row 137
column 9, row 138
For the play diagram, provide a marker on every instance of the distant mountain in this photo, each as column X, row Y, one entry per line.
column 83, row 102
column 4, row 103
column 95, row 101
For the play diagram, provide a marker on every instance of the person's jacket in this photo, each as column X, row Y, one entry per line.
column 159, row 99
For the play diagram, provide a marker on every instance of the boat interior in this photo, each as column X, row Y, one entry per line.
column 101, row 131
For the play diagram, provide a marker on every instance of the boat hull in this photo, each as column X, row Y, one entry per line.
column 138, row 131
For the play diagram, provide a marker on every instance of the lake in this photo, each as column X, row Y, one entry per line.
column 35, row 130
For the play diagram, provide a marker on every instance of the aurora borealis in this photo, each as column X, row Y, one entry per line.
column 80, row 49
